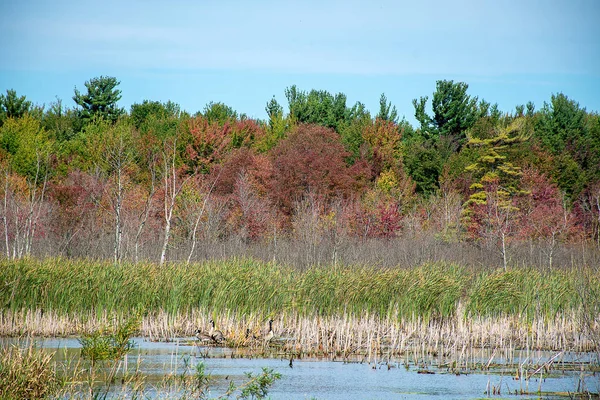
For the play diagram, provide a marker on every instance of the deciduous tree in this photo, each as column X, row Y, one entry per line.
column 545, row 216
column 491, row 211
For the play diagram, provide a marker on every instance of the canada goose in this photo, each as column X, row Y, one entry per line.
column 215, row 334
column 269, row 335
column 203, row 337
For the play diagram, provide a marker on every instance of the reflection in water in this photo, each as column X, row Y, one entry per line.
column 328, row 379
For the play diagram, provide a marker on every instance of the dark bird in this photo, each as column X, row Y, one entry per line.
column 203, row 337
column 269, row 335
column 215, row 334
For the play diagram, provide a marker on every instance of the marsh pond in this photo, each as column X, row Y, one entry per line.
column 157, row 370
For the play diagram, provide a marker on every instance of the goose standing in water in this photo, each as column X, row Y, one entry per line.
column 215, row 334
column 269, row 335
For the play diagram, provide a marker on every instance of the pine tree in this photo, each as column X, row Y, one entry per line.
column 12, row 106
column 100, row 100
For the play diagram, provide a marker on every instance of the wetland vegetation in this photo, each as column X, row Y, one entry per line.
column 520, row 322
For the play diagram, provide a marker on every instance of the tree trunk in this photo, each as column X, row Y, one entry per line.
column 504, row 263
column 5, row 216
column 118, row 223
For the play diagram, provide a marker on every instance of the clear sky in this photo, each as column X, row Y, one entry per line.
column 244, row 52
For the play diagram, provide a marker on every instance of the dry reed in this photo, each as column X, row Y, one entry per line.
column 338, row 312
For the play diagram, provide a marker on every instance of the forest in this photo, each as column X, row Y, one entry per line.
column 321, row 182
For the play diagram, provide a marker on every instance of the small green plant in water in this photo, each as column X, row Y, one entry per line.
column 102, row 346
column 258, row 386
column 111, row 347
column 197, row 384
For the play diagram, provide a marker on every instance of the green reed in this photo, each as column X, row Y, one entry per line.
column 246, row 286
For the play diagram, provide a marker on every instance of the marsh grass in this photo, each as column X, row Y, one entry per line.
column 336, row 311
column 27, row 374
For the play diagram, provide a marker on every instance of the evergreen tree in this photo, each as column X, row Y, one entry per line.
column 453, row 112
column 491, row 213
column 100, row 100
column 317, row 107
column 277, row 124
column 13, row 106
column 561, row 123
column 387, row 112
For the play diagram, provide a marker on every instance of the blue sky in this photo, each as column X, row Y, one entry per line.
column 244, row 52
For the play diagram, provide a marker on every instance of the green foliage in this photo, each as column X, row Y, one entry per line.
column 386, row 111
column 423, row 164
column 143, row 113
column 565, row 146
column 26, row 145
column 453, row 112
column 85, row 150
column 249, row 287
column 526, row 293
column 219, row 112
column 60, row 122
column 317, row 107
column 109, row 346
column 258, row 386
column 351, row 131
column 102, row 148
column 561, row 123
column 492, row 165
column 443, row 134
column 572, row 135
column 278, row 125
column 101, row 99
column 13, row 106
column 454, row 170
column 568, row 174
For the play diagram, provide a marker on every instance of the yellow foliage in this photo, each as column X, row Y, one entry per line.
column 387, row 181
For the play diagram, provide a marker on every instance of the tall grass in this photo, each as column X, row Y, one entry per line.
column 27, row 374
column 245, row 286
column 332, row 310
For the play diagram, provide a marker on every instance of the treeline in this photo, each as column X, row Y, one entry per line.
column 159, row 183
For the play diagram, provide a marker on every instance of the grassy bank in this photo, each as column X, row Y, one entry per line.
column 77, row 296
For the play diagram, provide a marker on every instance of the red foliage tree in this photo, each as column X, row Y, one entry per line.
column 78, row 197
column 310, row 159
column 241, row 182
column 587, row 212
column 210, row 142
column 544, row 214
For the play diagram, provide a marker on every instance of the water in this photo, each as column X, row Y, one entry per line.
column 326, row 379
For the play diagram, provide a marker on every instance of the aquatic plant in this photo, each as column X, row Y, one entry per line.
column 27, row 373
column 336, row 310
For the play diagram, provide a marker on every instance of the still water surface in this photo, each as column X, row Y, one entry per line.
column 326, row 379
